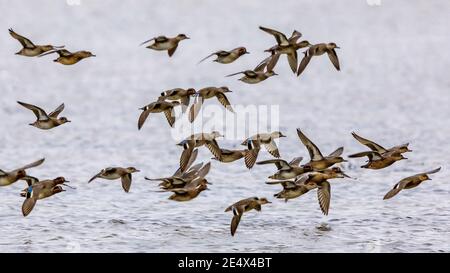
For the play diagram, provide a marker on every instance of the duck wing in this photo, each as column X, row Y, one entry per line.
column 314, row 152
column 57, row 111
column 126, row 182
column 280, row 163
column 172, row 50
column 279, row 37
column 296, row 161
column 224, row 101
column 372, row 145
column 337, row 153
column 324, row 196
column 195, row 108
column 305, row 61
column 25, row 42
column 38, row 112
column 334, row 58
column 293, row 61
column 32, row 165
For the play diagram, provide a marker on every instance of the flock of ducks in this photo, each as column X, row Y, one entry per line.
column 189, row 180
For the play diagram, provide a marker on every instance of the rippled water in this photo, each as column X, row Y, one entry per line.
column 393, row 88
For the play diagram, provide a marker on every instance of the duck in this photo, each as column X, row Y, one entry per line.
column 11, row 177
column 242, row 206
column 410, row 183
column 207, row 93
column 113, row 173
column 267, row 139
column 260, row 73
column 226, row 57
column 228, row 156
column 286, row 46
column 403, row 148
column 198, row 140
column 178, row 94
column 160, row 106
column 29, row 49
column 317, row 50
column 309, row 181
column 69, row 58
column 38, row 190
column 287, row 170
column 379, row 161
column 46, row 121
column 318, row 161
column 162, row 43
column 190, row 191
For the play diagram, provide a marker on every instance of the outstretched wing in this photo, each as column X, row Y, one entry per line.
column 305, row 61
column 24, row 41
column 334, row 58
column 28, row 205
column 38, row 112
column 337, row 153
column 224, row 101
column 280, row 163
column 57, row 111
column 324, row 196
column 372, row 145
column 434, row 171
column 32, row 165
column 296, row 161
column 314, row 152
column 126, row 182
column 280, row 37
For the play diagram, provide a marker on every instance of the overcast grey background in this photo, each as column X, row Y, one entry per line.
column 393, row 88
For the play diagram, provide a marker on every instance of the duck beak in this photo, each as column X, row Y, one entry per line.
column 247, row 52
column 345, row 175
column 282, row 135
column 430, row 179
column 69, row 121
column 136, row 171
column 408, row 150
column 338, row 47
column 93, row 55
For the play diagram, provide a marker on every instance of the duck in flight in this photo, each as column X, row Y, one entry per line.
column 410, row 183
column 226, row 57
column 69, row 58
column 160, row 106
column 29, row 49
column 162, row 43
column 46, row 121
column 242, row 206
column 318, row 50
column 260, row 73
column 286, row 46
column 38, row 190
column 113, row 173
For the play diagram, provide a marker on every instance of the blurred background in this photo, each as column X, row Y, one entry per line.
column 393, row 88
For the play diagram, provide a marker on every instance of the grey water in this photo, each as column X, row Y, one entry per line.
column 393, row 88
